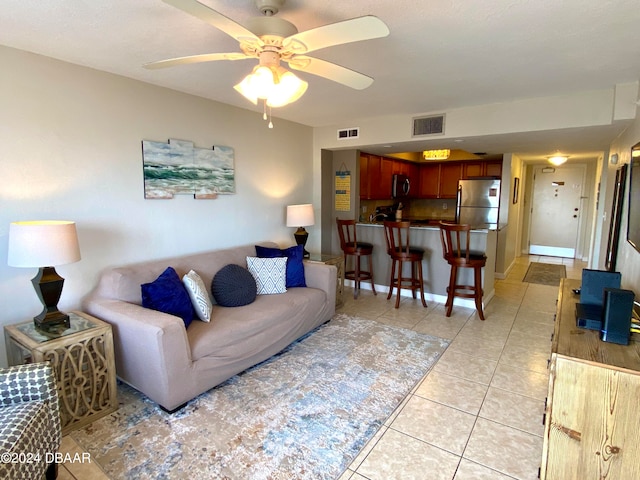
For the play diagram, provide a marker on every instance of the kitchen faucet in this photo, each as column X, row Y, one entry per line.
column 374, row 217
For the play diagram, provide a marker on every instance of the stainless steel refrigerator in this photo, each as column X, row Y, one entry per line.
column 478, row 202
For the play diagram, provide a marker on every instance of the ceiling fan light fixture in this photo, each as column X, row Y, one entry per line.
column 274, row 84
column 258, row 84
column 558, row 160
column 289, row 89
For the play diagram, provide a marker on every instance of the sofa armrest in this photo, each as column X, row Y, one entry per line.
column 151, row 347
column 322, row 276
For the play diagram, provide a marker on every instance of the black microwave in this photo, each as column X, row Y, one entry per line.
column 400, row 186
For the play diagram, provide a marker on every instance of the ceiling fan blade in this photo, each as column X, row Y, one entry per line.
column 330, row 71
column 216, row 19
column 207, row 57
column 347, row 31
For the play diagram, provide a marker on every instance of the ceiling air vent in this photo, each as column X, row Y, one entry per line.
column 433, row 125
column 348, row 133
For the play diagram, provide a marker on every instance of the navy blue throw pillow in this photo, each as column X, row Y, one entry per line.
column 295, row 268
column 233, row 286
column 168, row 295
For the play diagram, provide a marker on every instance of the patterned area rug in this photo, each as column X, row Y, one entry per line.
column 545, row 273
column 303, row 414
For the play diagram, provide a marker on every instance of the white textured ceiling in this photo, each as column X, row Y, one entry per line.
column 441, row 54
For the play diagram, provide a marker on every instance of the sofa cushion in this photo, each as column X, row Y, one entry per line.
column 269, row 274
column 167, row 294
column 198, row 295
column 243, row 332
column 233, row 286
column 295, row 268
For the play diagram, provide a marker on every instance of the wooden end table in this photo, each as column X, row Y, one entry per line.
column 338, row 261
column 82, row 357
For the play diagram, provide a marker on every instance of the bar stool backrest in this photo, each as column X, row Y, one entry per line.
column 347, row 234
column 455, row 241
column 396, row 235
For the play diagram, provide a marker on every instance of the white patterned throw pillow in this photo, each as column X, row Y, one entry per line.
column 270, row 274
column 198, row 295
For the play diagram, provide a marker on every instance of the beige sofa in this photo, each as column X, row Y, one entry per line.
column 172, row 364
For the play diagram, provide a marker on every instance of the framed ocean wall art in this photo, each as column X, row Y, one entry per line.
column 177, row 167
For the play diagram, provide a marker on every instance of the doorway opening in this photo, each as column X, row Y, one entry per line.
column 557, row 210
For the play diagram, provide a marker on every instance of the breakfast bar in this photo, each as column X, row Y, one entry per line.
column 435, row 268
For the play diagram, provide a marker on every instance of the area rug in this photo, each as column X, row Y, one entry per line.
column 545, row 273
column 303, row 414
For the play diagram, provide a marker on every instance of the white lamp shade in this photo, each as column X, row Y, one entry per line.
column 300, row 215
column 42, row 243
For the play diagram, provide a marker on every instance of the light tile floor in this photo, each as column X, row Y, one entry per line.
column 478, row 414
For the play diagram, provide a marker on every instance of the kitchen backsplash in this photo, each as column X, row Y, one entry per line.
column 413, row 208
column 433, row 209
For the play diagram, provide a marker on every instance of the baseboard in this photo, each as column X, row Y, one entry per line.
column 502, row 276
column 405, row 292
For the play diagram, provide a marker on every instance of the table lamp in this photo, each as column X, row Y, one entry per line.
column 300, row 216
column 45, row 244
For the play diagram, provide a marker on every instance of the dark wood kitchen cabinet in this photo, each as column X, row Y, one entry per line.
column 481, row 168
column 439, row 180
column 450, row 173
column 429, row 184
column 375, row 177
column 386, row 175
column 472, row 169
column 428, row 180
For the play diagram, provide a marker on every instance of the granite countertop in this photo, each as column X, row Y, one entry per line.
column 433, row 225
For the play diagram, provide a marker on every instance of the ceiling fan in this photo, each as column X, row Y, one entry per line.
column 272, row 40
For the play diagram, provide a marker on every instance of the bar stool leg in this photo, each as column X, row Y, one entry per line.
column 424, row 303
column 451, row 290
column 356, row 279
column 399, row 283
column 373, row 287
column 414, row 283
column 477, row 276
column 393, row 276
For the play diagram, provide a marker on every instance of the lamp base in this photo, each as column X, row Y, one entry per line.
column 301, row 236
column 48, row 285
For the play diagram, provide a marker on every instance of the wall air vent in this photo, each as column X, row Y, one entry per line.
column 432, row 125
column 348, row 133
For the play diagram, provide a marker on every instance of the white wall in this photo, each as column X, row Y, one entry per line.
column 71, row 149
column 574, row 110
column 628, row 261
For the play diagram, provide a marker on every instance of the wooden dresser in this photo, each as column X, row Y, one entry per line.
column 592, row 419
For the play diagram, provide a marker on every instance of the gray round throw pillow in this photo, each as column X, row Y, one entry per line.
column 233, row 286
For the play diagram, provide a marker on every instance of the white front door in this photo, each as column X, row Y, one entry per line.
column 555, row 216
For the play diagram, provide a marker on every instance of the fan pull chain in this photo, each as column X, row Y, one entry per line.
column 264, row 113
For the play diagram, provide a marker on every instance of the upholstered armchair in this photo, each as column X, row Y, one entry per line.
column 29, row 422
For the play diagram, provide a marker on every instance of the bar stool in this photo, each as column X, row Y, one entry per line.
column 351, row 247
column 396, row 235
column 456, row 251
